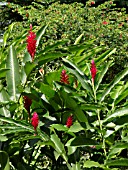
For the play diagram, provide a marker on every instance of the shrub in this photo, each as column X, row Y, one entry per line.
column 77, row 123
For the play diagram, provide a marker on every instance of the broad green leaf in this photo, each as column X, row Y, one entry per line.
column 116, row 80
column 117, row 113
column 4, row 161
column 29, row 66
column 4, row 98
column 76, row 127
column 101, row 74
column 104, row 56
column 39, row 34
column 17, row 123
column 3, row 138
column 47, row 90
column 82, row 140
column 59, row 147
column 71, row 104
column 85, row 82
column 3, row 72
column 122, row 96
column 118, row 162
column 13, row 76
column 117, row 149
column 90, row 164
column 59, row 127
column 54, row 46
column 76, row 166
column 7, row 33
column 49, row 56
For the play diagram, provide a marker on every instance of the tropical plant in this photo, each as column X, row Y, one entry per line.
column 65, row 116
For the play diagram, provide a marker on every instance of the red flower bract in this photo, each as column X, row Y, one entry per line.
column 27, row 103
column 31, row 43
column 64, row 77
column 35, row 120
column 93, row 70
column 69, row 121
column 104, row 22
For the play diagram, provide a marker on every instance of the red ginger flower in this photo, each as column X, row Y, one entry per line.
column 35, row 120
column 64, row 77
column 27, row 103
column 31, row 43
column 93, row 70
column 104, row 22
column 69, row 121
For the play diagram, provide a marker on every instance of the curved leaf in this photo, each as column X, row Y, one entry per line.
column 39, row 34
column 4, row 161
column 116, row 80
column 13, row 76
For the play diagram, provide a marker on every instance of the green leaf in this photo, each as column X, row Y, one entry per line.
column 3, row 72
column 3, row 138
column 49, row 56
column 13, row 76
column 85, row 82
column 76, row 166
column 47, row 90
column 101, row 74
column 59, row 147
column 7, row 33
column 118, row 162
column 117, row 113
column 4, row 98
column 117, row 149
column 29, row 66
column 82, row 140
column 122, row 96
column 17, row 123
column 4, row 161
column 39, row 34
column 59, row 127
column 72, row 105
column 54, row 45
column 90, row 164
column 78, row 39
column 116, row 80
column 104, row 56
column 76, row 127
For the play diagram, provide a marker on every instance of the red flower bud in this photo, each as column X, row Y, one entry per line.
column 35, row 120
column 27, row 103
column 31, row 43
column 93, row 70
column 64, row 77
column 69, row 121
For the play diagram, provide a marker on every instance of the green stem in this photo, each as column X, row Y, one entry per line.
column 101, row 134
column 94, row 91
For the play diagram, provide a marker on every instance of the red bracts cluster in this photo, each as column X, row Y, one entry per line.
column 64, row 77
column 104, row 22
column 35, row 120
column 31, row 43
column 27, row 103
column 69, row 121
column 93, row 70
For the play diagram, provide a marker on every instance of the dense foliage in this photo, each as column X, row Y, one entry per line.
column 105, row 23
column 63, row 87
column 64, row 117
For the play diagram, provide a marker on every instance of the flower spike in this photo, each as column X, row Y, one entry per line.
column 31, row 43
